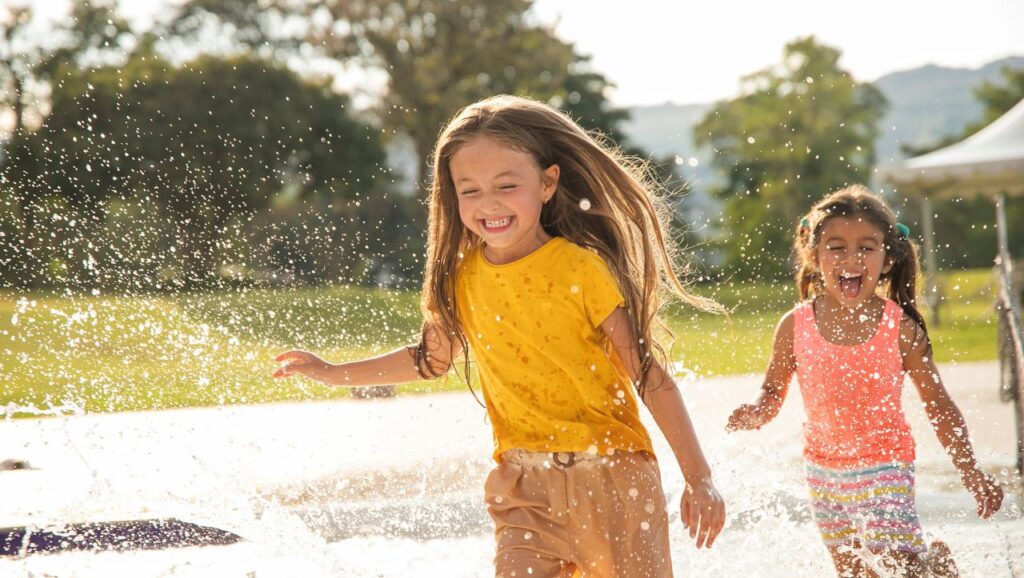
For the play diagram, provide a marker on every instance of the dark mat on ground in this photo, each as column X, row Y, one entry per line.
column 121, row 535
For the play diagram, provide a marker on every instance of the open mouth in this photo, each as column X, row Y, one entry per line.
column 496, row 224
column 849, row 284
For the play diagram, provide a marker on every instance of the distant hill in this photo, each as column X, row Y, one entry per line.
column 925, row 105
column 932, row 102
column 665, row 129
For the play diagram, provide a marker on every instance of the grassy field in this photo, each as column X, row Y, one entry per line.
column 707, row 344
column 126, row 353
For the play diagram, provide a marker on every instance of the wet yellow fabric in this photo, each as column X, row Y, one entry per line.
column 549, row 376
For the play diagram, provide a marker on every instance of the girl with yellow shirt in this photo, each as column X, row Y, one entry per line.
column 545, row 258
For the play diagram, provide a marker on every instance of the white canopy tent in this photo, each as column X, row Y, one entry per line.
column 991, row 162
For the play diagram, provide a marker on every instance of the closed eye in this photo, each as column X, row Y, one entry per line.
column 467, row 192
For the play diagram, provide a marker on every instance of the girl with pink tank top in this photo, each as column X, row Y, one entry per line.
column 852, row 393
column 851, row 350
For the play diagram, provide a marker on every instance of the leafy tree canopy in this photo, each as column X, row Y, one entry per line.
column 796, row 132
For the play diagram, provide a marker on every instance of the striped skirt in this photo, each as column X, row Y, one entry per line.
column 872, row 506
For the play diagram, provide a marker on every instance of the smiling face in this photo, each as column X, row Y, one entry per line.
column 501, row 192
column 851, row 257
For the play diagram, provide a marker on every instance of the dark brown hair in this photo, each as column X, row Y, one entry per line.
column 900, row 283
column 625, row 223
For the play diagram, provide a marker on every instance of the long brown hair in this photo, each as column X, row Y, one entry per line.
column 625, row 223
column 900, row 283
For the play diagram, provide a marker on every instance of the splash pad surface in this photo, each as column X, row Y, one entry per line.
column 389, row 487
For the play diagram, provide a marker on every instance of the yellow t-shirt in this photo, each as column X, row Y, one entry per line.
column 551, row 380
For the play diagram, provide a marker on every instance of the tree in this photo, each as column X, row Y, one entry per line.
column 92, row 32
column 16, row 63
column 998, row 98
column 440, row 55
column 584, row 97
column 437, row 55
column 201, row 145
column 970, row 220
column 796, row 132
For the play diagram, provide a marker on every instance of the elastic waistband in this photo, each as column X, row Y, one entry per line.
column 555, row 459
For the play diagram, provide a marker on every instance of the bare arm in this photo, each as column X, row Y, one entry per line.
column 391, row 368
column 702, row 509
column 776, row 382
column 945, row 417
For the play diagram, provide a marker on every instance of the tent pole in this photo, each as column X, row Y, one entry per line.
column 1011, row 347
column 932, row 296
column 1001, row 235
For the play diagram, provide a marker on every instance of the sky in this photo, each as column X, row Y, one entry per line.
column 686, row 52
column 679, row 51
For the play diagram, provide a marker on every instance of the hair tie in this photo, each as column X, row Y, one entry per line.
column 903, row 230
column 804, row 223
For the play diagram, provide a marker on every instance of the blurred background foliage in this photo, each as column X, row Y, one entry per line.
column 218, row 147
column 179, row 203
column 213, row 148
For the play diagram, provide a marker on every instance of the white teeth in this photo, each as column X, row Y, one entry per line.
column 496, row 224
column 850, row 275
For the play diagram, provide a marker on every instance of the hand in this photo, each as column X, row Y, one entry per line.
column 703, row 512
column 987, row 493
column 747, row 416
column 302, row 363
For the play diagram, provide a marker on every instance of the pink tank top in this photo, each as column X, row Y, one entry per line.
column 852, row 394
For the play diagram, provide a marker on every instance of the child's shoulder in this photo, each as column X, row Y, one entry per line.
column 788, row 320
column 576, row 256
column 801, row 313
column 913, row 335
column 801, row 309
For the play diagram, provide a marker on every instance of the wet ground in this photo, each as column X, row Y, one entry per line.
column 392, row 488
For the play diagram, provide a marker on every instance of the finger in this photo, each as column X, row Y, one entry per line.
column 288, row 356
column 701, row 532
column 717, row 524
column 685, row 512
column 692, row 516
column 993, row 501
column 714, row 522
column 694, row 523
column 985, row 505
column 705, row 527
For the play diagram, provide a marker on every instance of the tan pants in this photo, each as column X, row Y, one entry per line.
column 600, row 516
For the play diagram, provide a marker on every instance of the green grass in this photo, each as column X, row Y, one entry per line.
column 707, row 344
column 126, row 353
